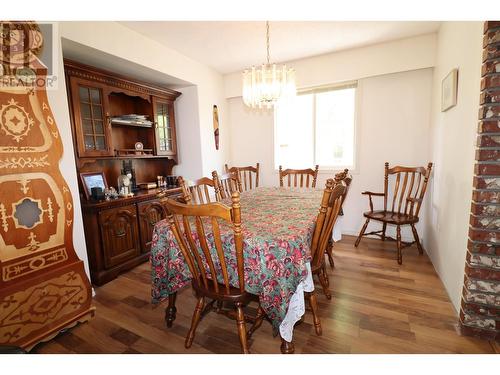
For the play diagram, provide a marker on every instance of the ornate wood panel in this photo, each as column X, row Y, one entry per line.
column 43, row 285
column 149, row 214
column 120, row 234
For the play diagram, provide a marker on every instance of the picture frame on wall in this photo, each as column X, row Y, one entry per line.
column 449, row 87
column 93, row 179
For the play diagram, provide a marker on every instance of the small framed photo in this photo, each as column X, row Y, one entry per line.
column 449, row 90
column 93, row 179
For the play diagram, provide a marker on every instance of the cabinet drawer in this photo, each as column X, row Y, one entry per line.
column 120, row 235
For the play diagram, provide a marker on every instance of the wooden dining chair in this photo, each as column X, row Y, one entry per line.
column 200, row 191
column 347, row 179
column 225, row 184
column 197, row 231
column 300, row 177
column 407, row 191
column 327, row 216
column 248, row 176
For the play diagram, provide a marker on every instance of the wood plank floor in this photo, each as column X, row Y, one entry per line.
column 377, row 307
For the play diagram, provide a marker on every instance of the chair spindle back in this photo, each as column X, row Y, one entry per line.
column 300, row 177
column 225, row 184
column 201, row 191
column 248, row 176
column 197, row 232
column 408, row 186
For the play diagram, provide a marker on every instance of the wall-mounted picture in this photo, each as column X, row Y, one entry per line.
column 91, row 180
column 449, row 90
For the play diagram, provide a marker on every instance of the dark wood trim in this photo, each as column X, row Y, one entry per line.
column 76, row 69
column 140, row 196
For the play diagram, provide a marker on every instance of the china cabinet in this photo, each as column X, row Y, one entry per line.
column 118, row 120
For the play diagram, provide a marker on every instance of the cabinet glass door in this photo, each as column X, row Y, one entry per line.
column 165, row 129
column 90, row 120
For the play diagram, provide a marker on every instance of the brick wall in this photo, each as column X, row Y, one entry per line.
column 480, row 310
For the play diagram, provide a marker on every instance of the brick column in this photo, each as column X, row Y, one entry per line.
column 480, row 310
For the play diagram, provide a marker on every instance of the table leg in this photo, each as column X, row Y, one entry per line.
column 287, row 347
column 171, row 309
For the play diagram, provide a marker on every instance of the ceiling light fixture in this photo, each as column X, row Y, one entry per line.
column 263, row 86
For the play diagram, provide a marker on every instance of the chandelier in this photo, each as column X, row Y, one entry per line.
column 264, row 85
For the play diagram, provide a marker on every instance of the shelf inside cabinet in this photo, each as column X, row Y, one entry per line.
column 134, row 125
column 134, row 152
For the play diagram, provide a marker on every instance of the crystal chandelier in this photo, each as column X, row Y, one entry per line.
column 263, row 86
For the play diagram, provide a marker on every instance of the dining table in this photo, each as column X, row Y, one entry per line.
column 277, row 227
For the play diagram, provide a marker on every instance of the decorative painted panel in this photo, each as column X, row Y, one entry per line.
column 43, row 285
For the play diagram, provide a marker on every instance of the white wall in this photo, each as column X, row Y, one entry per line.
column 394, row 97
column 452, row 137
column 115, row 39
column 393, row 125
column 390, row 57
column 210, row 94
column 189, row 150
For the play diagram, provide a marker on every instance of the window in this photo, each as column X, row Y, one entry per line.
column 316, row 127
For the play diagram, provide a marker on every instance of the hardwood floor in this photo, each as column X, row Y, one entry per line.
column 377, row 307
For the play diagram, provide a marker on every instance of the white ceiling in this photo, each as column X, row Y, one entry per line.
column 231, row 46
column 93, row 57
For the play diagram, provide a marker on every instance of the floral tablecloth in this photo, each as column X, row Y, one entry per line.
column 277, row 225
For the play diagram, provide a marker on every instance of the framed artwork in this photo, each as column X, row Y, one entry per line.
column 93, row 179
column 449, row 90
column 216, row 126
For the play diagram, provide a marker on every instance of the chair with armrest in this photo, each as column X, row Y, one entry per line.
column 407, row 192
column 248, row 176
column 299, row 177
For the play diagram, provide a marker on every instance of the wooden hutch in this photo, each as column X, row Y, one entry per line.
column 118, row 232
